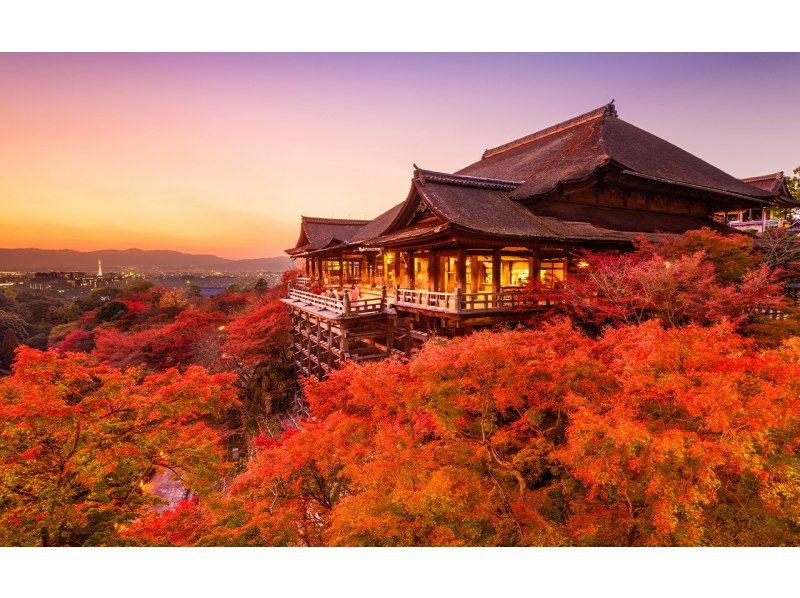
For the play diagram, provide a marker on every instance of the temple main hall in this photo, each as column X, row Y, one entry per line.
column 462, row 250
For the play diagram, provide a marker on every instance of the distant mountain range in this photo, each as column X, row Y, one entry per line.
column 34, row 260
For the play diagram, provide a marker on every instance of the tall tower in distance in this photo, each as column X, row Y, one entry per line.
column 99, row 268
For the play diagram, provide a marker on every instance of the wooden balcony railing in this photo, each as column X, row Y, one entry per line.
column 458, row 302
column 428, row 299
column 455, row 303
column 343, row 306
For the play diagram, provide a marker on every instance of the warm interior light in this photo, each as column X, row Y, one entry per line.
column 583, row 264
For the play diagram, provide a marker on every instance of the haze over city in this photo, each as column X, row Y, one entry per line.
column 222, row 153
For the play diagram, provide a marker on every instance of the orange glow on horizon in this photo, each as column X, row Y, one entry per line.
column 221, row 154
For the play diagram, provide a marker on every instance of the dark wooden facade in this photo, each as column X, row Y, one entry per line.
column 460, row 250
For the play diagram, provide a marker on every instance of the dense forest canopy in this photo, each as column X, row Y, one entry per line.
column 656, row 403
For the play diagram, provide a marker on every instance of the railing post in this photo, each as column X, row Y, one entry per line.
column 457, row 299
column 346, row 302
column 396, row 294
column 383, row 296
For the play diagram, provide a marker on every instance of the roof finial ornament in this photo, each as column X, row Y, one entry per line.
column 418, row 174
column 611, row 109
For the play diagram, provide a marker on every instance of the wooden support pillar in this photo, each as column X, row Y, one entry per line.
column 496, row 263
column 368, row 276
column 461, row 269
column 390, row 324
column 433, row 271
column 344, row 345
column 458, row 299
column 475, row 274
column 396, row 268
column 320, row 273
column 412, row 271
column 533, row 267
column 318, row 343
column 341, row 272
column 330, row 346
column 346, row 302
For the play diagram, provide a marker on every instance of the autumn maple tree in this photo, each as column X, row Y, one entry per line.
column 643, row 436
column 78, row 439
column 655, row 416
column 701, row 277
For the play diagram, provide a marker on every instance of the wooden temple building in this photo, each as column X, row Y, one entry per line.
column 458, row 252
column 762, row 218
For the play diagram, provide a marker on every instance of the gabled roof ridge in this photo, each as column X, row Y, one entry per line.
column 766, row 177
column 322, row 220
column 423, row 176
column 606, row 110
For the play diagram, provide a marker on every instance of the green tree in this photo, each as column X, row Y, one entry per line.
column 793, row 182
column 77, row 440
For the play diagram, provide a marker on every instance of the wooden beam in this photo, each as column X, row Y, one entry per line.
column 461, row 269
column 433, row 271
column 344, row 344
column 533, row 277
column 475, row 274
column 411, row 270
column 496, row 263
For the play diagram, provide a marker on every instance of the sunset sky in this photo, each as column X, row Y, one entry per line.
column 222, row 153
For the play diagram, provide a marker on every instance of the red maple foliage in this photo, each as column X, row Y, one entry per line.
column 77, row 439
column 643, row 436
column 633, row 288
column 192, row 338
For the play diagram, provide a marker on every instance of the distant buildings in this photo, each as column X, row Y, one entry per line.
column 70, row 282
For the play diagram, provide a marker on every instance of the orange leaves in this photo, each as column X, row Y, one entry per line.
column 643, row 436
column 76, row 440
column 181, row 526
column 258, row 335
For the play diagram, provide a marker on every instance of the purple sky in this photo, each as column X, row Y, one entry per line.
column 222, row 153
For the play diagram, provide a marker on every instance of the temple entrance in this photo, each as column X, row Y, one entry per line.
column 421, row 267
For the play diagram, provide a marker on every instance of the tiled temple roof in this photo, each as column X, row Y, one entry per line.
column 574, row 149
column 487, row 197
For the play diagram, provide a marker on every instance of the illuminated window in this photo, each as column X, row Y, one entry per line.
column 552, row 271
column 483, row 271
column 514, row 271
column 448, row 273
column 420, row 272
column 388, row 268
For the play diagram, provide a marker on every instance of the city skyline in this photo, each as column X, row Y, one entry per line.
column 220, row 153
